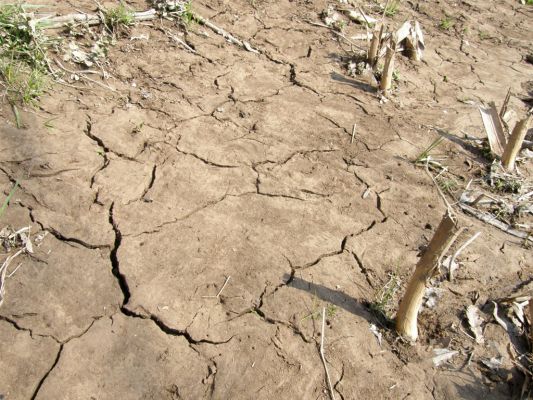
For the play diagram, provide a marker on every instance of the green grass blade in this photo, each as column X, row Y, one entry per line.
column 8, row 198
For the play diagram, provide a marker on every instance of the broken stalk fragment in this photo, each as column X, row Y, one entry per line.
column 515, row 143
column 386, row 77
column 406, row 319
column 373, row 51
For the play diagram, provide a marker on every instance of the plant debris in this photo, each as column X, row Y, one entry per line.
column 443, row 355
column 474, row 322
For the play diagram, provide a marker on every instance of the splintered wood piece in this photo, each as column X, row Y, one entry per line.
column 515, row 143
column 406, row 319
column 494, row 128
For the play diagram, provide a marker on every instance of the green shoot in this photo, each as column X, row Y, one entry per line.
column 446, row 23
column 187, row 15
column 424, row 156
column 120, row 16
column 8, row 199
column 383, row 303
column 392, row 8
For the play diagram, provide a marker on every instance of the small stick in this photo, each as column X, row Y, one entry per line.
column 15, row 270
column 386, row 77
column 335, row 32
column 515, row 143
column 385, row 11
column 84, row 77
column 478, row 199
column 491, row 219
column 229, row 37
column 456, row 254
column 505, row 104
column 448, row 206
column 353, row 133
column 220, row 291
column 3, row 272
column 330, row 387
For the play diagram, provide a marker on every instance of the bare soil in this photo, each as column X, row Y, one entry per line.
column 228, row 164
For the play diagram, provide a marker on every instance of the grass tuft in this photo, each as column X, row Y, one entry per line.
column 23, row 63
column 391, row 9
column 383, row 303
column 8, row 199
column 423, row 157
column 118, row 17
column 446, row 23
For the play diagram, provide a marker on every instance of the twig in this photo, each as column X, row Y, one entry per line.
column 3, row 272
column 220, row 291
column 456, row 254
column 181, row 42
column 84, row 77
column 448, row 206
column 353, row 133
column 229, row 37
column 330, row 387
column 335, row 32
column 15, row 270
column 491, row 219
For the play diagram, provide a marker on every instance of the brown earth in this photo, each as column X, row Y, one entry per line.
column 232, row 165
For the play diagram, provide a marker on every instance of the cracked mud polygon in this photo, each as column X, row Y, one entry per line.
column 227, row 163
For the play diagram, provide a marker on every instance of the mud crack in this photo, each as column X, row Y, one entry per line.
column 43, row 379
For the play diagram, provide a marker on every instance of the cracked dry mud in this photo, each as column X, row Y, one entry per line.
column 232, row 164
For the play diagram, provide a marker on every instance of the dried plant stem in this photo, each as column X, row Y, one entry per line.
column 373, row 51
column 386, row 77
column 330, row 387
column 515, row 143
column 406, row 320
column 62, row 21
column 456, row 254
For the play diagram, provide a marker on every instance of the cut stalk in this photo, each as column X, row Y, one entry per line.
column 515, row 143
column 406, row 320
column 374, row 45
column 386, row 78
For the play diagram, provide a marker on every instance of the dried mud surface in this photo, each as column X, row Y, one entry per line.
column 232, row 164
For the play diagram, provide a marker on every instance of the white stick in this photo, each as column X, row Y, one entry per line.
column 456, row 254
column 322, row 354
column 220, row 291
column 353, row 133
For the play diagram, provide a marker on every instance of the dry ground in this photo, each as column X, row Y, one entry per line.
column 231, row 164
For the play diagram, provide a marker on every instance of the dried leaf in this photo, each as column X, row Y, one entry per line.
column 494, row 128
column 410, row 38
column 493, row 363
column 475, row 321
column 500, row 321
column 377, row 334
column 442, row 355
